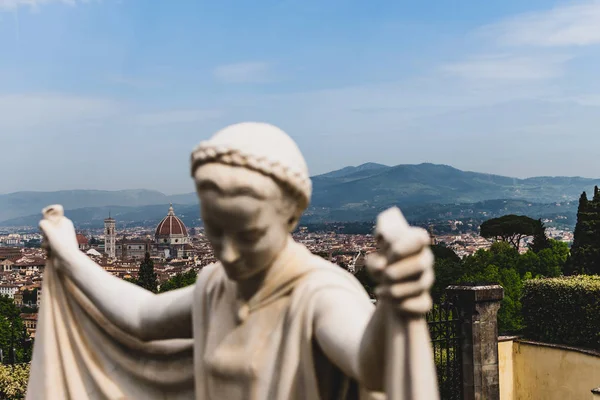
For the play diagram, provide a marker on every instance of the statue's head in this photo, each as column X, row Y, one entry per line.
column 253, row 186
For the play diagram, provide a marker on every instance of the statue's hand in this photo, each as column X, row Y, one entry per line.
column 59, row 233
column 403, row 269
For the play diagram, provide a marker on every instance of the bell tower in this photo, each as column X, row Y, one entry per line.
column 110, row 237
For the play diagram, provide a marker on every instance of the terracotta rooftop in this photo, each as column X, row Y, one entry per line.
column 81, row 239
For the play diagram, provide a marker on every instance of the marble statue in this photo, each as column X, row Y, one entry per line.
column 270, row 320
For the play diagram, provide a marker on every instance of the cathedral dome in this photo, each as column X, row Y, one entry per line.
column 170, row 227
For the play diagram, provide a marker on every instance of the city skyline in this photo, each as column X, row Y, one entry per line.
column 114, row 95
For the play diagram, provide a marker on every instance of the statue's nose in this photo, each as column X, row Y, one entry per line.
column 229, row 253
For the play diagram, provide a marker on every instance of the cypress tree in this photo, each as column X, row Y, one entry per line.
column 147, row 276
column 585, row 251
column 540, row 240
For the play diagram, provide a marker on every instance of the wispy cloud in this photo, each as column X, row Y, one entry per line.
column 176, row 117
column 508, row 67
column 592, row 100
column 34, row 113
column 531, row 46
column 134, row 82
column 26, row 111
column 570, row 25
column 35, row 4
column 244, row 72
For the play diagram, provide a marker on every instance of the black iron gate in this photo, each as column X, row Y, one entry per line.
column 445, row 331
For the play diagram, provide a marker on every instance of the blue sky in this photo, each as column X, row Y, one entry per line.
column 114, row 94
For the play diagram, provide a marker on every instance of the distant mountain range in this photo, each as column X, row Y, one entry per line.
column 353, row 192
column 381, row 185
column 22, row 204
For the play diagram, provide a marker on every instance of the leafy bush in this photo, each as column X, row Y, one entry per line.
column 178, row 281
column 13, row 381
column 501, row 264
column 563, row 310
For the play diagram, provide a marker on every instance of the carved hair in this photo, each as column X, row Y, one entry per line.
column 294, row 180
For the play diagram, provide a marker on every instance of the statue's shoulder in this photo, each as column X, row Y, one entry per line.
column 210, row 277
column 324, row 274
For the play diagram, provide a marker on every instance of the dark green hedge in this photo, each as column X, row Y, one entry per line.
column 563, row 310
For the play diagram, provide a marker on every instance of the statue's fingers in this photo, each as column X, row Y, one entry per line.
column 398, row 291
column 404, row 290
column 410, row 267
column 54, row 212
column 411, row 243
column 415, row 306
column 376, row 264
column 45, row 226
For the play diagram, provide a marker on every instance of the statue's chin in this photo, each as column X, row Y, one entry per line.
column 240, row 271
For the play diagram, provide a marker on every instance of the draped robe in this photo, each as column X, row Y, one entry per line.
column 266, row 352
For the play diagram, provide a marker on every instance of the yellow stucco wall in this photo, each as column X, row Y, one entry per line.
column 505, row 365
column 542, row 372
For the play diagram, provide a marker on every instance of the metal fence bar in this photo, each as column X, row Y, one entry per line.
column 444, row 328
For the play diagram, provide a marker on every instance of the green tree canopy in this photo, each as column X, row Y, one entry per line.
column 147, row 276
column 12, row 333
column 30, row 296
column 179, row 280
column 501, row 264
column 447, row 268
column 540, row 240
column 509, row 228
column 443, row 252
column 585, row 251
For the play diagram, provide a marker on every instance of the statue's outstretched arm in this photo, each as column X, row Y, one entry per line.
column 141, row 313
column 352, row 332
column 346, row 331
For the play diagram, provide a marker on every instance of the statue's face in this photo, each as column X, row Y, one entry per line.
column 246, row 231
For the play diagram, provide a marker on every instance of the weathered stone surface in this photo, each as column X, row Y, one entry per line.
column 479, row 307
column 477, row 294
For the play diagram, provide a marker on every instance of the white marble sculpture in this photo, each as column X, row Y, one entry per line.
column 268, row 321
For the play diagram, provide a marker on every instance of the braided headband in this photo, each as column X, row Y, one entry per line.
column 296, row 182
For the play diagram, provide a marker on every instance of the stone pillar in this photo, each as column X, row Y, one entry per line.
column 479, row 307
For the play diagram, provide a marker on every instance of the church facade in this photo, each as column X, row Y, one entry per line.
column 171, row 240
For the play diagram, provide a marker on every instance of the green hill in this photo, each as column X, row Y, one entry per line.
column 358, row 193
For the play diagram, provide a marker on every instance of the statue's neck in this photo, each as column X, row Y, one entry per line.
column 248, row 288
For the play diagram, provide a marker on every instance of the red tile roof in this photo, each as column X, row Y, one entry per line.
column 81, row 239
column 170, row 225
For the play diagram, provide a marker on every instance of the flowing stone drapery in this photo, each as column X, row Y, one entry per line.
column 79, row 354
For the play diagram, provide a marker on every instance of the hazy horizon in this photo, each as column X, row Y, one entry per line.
column 193, row 189
column 112, row 94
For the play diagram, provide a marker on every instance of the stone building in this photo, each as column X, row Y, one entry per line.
column 171, row 240
column 171, row 237
column 110, row 237
column 134, row 249
column 8, row 290
column 30, row 322
column 82, row 242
